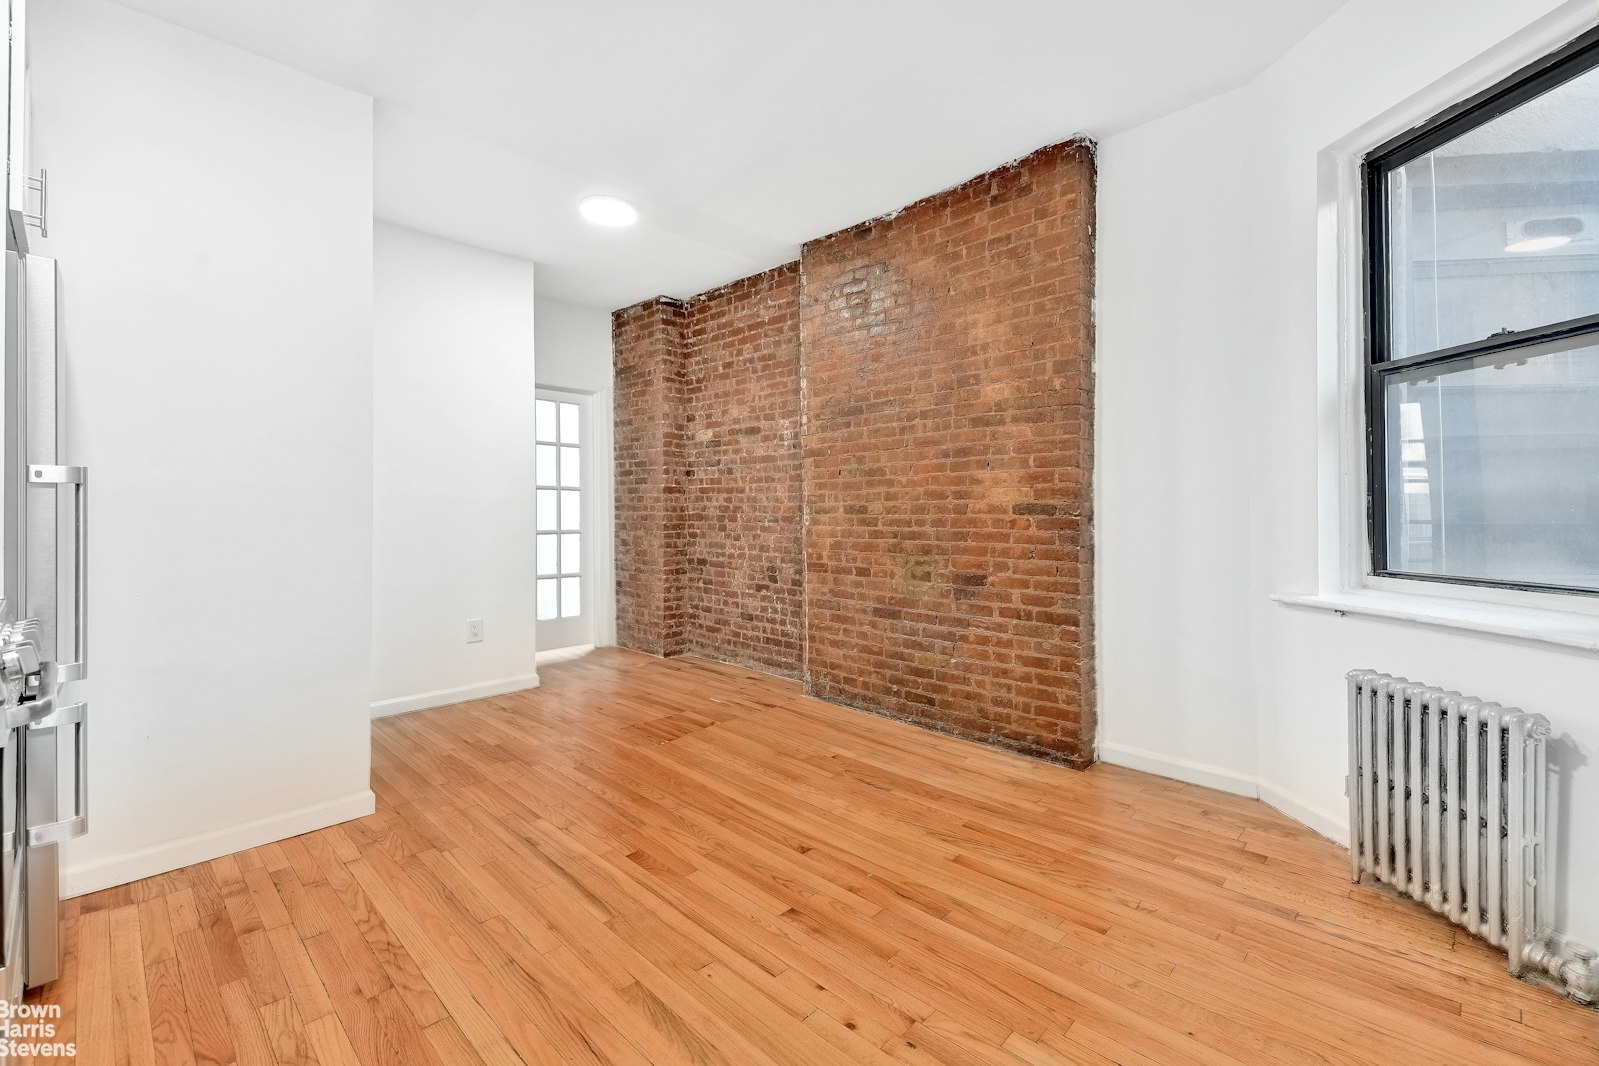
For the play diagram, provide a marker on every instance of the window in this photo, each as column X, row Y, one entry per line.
column 1482, row 323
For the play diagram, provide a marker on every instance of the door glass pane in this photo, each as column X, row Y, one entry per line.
column 1499, row 228
column 559, row 479
column 544, row 471
column 549, row 544
column 1493, row 467
column 544, row 426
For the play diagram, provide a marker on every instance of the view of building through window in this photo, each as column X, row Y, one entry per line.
column 1491, row 456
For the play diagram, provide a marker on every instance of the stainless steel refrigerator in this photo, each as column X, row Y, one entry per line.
column 43, row 633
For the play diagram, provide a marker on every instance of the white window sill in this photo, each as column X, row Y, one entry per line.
column 1564, row 628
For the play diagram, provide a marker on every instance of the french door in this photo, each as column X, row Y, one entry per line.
column 565, row 515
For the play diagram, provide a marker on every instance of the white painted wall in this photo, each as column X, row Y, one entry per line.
column 1208, row 427
column 453, row 521
column 1172, row 517
column 211, row 212
column 574, row 345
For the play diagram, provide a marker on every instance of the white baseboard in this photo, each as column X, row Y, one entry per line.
column 1194, row 773
column 444, row 697
column 561, row 655
column 186, row 851
column 1333, row 827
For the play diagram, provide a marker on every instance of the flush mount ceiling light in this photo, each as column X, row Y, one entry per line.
column 1542, row 234
column 607, row 211
column 1537, row 244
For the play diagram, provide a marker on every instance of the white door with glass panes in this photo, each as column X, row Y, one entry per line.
column 565, row 519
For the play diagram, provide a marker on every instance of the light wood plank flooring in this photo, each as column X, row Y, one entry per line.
column 676, row 861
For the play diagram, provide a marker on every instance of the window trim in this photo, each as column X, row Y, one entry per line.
column 1574, row 58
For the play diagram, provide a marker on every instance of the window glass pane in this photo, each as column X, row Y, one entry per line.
column 571, row 506
column 1499, row 228
column 549, row 565
column 544, row 427
column 571, row 597
column 571, row 553
column 547, row 502
column 1493, row 468
column 547, row 594
column 571, row 460
column 544, row 464
column 569, row 423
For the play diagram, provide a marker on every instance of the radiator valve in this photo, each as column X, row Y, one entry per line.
column 1572, row 969
column 1579, row 974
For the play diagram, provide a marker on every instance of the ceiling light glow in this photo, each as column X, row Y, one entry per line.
column 1537, row 244
column 607, row 211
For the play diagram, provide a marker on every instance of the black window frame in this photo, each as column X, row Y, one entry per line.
column 1570, row 61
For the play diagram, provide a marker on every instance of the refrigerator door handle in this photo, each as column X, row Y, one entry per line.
column 27, row 714
column 77, row 716
column 78, row 478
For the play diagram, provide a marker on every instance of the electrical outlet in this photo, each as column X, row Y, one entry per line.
column 474, row 630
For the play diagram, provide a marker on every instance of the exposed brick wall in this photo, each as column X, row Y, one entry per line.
column 710, row 556
column 744, row 592
column 647, row 346
column 948, row 362
column 929, row 556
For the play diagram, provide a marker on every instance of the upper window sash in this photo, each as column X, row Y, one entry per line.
column 1568, row 62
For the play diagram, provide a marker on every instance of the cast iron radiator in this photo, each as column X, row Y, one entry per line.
column 1447, row 804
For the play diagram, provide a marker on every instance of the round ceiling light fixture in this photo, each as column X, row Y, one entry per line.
column 610, row 211
column 1542, row 234
column 1537, row 244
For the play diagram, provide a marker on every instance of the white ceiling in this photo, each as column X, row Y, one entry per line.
column 739, row 128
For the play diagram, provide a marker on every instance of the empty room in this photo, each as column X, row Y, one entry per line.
column 887, row 532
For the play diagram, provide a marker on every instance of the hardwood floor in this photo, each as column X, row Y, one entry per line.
column 677, row 861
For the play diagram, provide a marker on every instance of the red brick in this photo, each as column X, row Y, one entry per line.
column 873, row 469
column 647, row 344
column 744, row 593
column 709, row 512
